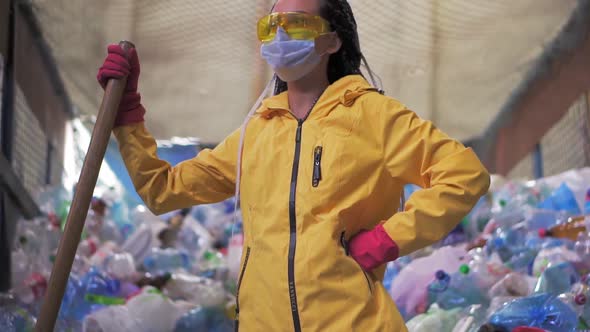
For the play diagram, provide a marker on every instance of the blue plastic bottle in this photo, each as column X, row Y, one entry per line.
column 540, row 310
column 522, row 262
column 14, row 318
column 587, row 204
column 557, row 279
column 393, row 269
column 507, row 242
column 562, row 199
column 204, row 319
column 160, row 261
column 67, row 310
column 91, row 293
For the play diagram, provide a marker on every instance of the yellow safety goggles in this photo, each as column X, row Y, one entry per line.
column 300, row 26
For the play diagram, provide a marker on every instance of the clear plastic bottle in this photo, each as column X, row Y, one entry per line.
column 120, row 266
column 470, row 319
column 457, row 291
column 197, row 290
column 513, row 284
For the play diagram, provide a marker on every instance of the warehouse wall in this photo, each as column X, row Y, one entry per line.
column 35, row 109
column 563, row 147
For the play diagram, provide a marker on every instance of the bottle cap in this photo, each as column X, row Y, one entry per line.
column 440, row 274
column 542, row 232
column 527, row 329
column 464, row 269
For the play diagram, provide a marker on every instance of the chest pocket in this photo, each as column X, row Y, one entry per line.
column 322, row 168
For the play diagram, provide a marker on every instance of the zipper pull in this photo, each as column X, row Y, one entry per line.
column 298, row 134
column 317, row 167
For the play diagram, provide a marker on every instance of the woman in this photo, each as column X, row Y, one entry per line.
column 324, row 163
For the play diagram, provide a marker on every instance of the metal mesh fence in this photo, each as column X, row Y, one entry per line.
column 201, row 68
column 29, row 146
column 565, row 146
column 524, row 169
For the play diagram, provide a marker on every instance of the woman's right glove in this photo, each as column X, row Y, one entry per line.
column 118, row 65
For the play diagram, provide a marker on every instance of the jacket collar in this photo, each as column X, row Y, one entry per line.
column 342, row 92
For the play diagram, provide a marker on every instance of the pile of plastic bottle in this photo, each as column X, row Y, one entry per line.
column 520, row 261
column 132, row 271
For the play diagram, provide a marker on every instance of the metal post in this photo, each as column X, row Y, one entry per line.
column 538, row 161
column 48, row 162
column 6, row 134
column 6, row 121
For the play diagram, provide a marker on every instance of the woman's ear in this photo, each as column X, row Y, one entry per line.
column 329, row 43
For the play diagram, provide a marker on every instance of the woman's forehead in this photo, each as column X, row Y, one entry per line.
column 306, row 6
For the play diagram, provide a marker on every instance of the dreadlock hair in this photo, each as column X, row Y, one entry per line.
column 347, row 61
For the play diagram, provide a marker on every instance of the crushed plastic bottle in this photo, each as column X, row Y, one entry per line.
column 409, row 289
column 393, row 269
column 204, row 319
column 197, row 290
column 513, row 284
column 576, row 301
column 113, row 318
column 457, row 291
column 13, row 317
column 562, row 199
column 154, row 311
column 470, row 319
column 537, row 219
column 582, row 249
column 92, row 292
column 160, row 261
column 120, row 266
column 540, row 310
column 557, row 279
column 435, row 319
column 552, row 257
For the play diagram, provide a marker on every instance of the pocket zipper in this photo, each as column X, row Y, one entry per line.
column 317, row 167
column 238, row 288
column 344, row 245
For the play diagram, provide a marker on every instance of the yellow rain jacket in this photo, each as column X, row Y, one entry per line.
column 307, row 188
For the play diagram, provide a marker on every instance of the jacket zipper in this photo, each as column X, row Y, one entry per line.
column 344, row 245
column 237, row 320
column 293, row 221
column 317, row 167
column 293, row 229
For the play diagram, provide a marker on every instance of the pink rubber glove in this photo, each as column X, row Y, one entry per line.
column 373, row 248
column 117, row 66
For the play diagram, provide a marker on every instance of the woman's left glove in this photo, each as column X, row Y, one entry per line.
column 373, row 248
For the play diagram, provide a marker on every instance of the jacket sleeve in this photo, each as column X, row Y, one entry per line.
column 207, row 178
column 452, row 177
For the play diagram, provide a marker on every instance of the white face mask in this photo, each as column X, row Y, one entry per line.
column 290, row 59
